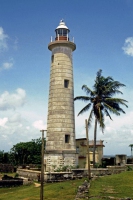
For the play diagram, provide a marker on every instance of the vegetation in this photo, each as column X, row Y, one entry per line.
column 101, row 102
column 23, row 153
column 131, row 145
column 117, row 185
column 52, row 191
column 4, row 157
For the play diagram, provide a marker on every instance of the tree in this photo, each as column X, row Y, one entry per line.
column 101, row 102
column 26, row 152
column 1, row 156
column 131, row 145
column 4, row 157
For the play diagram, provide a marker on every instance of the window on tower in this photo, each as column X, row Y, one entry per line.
column 66, row 83
column 64, row 32
column 52, row 58
column 67, row 138
column 59, row 32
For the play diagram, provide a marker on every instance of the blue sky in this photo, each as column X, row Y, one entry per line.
column 103, row 33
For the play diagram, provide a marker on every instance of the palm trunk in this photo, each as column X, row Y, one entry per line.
column 94, row 147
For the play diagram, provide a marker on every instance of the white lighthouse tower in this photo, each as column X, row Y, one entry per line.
column 60, row 139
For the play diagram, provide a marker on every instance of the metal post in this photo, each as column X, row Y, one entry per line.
column 88, row 152
column 42, row 166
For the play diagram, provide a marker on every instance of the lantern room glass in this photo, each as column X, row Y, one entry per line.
column 61, row 32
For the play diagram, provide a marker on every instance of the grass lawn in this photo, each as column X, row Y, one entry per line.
column 117, row 185
column 52, row 191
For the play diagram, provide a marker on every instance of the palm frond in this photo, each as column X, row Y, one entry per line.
column 116, row 100
column 117, row 84
column 107, row 113
column 86, row 108
column 90, row 118
column 121, row 110
column 83, row 98
column 111, row 109
column 88, row 90
column 100, row 118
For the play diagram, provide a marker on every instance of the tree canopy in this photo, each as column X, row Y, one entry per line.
column 26, row 152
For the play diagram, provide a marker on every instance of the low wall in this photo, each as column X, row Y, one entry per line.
column 29, row 174
column 100, row 171
column 48, row 176
column 5, row 168
column 75, row 173
column 11, row 183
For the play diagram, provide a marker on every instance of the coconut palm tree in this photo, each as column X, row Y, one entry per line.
column 100, row 102
column 131, row 145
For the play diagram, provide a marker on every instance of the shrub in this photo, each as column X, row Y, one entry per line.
column 129, row 168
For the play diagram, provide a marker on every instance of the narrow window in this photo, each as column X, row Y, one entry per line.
column 67, row 138
column 52, row 58
column 77, row 149
column 66, row 83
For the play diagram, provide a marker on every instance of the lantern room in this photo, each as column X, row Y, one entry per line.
column 62, row 31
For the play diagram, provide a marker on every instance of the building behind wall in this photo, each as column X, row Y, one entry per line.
column 81, row 146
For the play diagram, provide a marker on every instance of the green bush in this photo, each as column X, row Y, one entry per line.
column 16, row 175
column 129, row 168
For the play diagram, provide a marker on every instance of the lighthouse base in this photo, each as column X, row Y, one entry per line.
column 58, row 160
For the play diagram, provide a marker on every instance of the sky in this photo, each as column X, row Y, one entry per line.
column 103, row 34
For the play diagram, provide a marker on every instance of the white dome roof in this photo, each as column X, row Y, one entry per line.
column 62, row 25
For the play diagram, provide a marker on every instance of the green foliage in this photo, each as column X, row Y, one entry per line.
column 16, row 175
column 104, row 164
column 54, row 167
column 97, row 165
column 129, row 168
column 64, row 168
column 26, row 152
column 1, row 156
column 4, row 157
column 59, row 169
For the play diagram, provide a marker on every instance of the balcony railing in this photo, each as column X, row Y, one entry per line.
column 66, row 38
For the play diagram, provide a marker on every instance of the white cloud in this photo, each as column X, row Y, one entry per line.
column 3, row 121
column 28, row 128
column 15, row 118
column 12, row 101
column 6, row 66
column 39, row 125
column 3, row 40
column 128, row 46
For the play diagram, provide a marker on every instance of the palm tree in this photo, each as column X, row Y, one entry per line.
column 131, row 145
column 101, row 102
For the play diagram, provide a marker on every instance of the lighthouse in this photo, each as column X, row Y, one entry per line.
column 60, row 138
